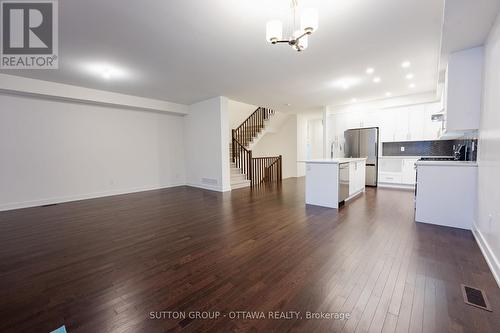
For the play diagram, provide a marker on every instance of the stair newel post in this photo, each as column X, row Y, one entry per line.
column 280, row 177
column 250, row 166
column 233, row 156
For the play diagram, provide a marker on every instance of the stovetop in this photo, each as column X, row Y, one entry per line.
column 440, row 158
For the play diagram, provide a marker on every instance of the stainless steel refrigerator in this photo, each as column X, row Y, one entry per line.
column 363, row 142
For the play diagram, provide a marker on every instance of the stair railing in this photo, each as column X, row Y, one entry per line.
column 252, row 126
column 242, row 158
column 260, row 169
column 267, row 170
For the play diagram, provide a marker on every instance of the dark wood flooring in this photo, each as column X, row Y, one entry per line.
column 103, row 265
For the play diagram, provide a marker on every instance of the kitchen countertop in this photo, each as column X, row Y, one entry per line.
column 407, row 157
column 334, row 160
column 399, row 157
column 447, row 163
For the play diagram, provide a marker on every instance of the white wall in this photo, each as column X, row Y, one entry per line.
column 283, row 142
column 302, row 133
column 487, row 224
column 53, row 151
column 207, row 145
column 237, row 113
column 315, row 138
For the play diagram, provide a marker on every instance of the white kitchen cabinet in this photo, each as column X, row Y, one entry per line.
column 357, row 174
column 370, row 119
column 390, row 178
column 401, row 128
column 327, row 182
column 397, row 171
column 353, row 120
column 408, row 171
column 410, row 123
column 463, row 90
column 416, row 123
column 446, row 193
column 432, row 129
column 387, row 125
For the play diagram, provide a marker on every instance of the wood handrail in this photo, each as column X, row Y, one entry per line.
column 257, row 169
column 252, row 126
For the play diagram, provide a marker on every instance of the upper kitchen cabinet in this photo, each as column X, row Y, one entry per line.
column 463, row 89
column 432, row 129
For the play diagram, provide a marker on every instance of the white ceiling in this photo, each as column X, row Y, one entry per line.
column 467, row 24
column 185, row 51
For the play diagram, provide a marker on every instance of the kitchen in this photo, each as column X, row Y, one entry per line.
column 432, row 137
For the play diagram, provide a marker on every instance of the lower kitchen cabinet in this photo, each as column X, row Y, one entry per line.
column 396, row 171
column 357, row 176
column 409, row 174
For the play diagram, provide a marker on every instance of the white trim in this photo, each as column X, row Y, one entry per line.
column 51, row 90
column 210, row 188
column 397, row 186
column 488, row 254
column 95, row 195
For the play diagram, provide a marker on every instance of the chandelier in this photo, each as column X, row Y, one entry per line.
column 299, row 34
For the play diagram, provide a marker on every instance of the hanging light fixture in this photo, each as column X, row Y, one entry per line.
column 299, row 38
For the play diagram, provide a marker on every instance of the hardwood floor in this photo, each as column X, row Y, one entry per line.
column 103, row 265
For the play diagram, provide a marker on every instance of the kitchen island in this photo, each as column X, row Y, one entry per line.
column 332, row 181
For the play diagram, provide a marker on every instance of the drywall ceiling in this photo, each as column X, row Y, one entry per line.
column 466, row 24
column 185, row 51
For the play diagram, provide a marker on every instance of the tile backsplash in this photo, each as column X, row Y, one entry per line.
column 426, row 148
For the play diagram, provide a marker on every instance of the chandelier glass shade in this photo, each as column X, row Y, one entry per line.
column 300, row 34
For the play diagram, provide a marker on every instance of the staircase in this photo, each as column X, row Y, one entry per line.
column 247, row 170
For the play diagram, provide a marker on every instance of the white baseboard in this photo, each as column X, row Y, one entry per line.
column 488, row 254
column 58, row 200
column 398, row 186
column 210, row 188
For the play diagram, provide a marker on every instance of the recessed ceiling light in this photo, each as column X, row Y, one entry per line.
column 409, row 76
column 412, row 85
column 105, row 71
column 377, row 79
column 370, row 70
column 346, row 82
column 106, row 74
column 406, row 64
column 354, row 100
column 388, row 94
column 288, row 104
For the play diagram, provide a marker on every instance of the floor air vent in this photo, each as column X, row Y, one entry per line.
column 475, row 297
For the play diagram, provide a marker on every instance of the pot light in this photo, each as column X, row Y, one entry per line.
column 377, row 79
column 412, row 85
column 409, row 76
column 354, row 100
column 406, row 64
column 370, row 70
column 105, row 71
column 106, row 74
column 346, row 82
column 388, row 94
